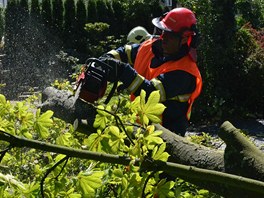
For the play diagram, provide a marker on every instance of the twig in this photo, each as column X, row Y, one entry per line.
column 49, row 171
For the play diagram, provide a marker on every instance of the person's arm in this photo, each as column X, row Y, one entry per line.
column 126, row 54
column 170, row 84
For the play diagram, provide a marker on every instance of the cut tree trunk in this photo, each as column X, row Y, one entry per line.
column 240, row 156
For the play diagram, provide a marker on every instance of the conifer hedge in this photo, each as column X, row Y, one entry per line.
column 227, row 65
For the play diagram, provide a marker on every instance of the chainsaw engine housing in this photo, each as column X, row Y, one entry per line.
column 93, row 82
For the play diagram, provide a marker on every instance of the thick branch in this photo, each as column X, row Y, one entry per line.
column 241, row 157
column 181, row 150
column 252, row 187
column 185, row 152
column 71, row 152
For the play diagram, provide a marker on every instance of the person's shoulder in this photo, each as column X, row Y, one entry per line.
column 157, row 47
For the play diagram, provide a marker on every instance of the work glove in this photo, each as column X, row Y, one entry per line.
column 115, row 68
column 119, row 71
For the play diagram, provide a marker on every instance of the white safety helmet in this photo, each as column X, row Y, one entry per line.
column 138, row 35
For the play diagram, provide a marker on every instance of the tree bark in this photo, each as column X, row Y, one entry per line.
column 224, row 184
column 240, row 157
column 185, row 152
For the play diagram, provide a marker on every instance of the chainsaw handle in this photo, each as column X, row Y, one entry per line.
column 100, row 62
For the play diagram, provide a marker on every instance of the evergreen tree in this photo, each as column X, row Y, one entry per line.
column 11, row 18
column 23, row 16
column 35, row 9
column 24, row 6
column 92, row 15
column 251, row 11
column 81, row 15
column 118, row 22
column 2, row 21
column 111, row 18
column 69, row 23
column 46, row 12
column 221, row 63
column 139, row 13
column 102, row 12
column 57, row 16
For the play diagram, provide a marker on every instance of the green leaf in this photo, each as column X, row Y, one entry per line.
column 153, row 98
column 145, row 119
column 124, row 183
column 31, row 188
column 95, row 141
column 75, row 195
column 151, row 110
column 100, row 121
column 89, row 183
column 64, row 139
column 136, row 149
column 43, row 122
column 153, row 139
column 11, row 180
column 135, row 105
column 163, row 189
column 70, row 193
column 142, row 98
column 118, row 173
column 7, row 126
column 2, row 99
column 117, row 139
column 159, row 153
column 27, row 135
column 114, row 130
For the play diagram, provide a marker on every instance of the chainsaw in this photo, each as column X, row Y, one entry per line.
column 92, row 82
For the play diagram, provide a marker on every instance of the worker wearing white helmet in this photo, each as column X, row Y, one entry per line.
column 138, row 35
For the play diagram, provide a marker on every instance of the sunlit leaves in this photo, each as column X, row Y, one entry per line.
column 164, row 189
column 7, row 126
column 31, row 189
column 4, row 105
column 25, row 119
column 117, row 139
column 64, row 139
column 70, row 194
column 43, row 123
column 113, row 122
column 21, row 110
column 150, row 111
column 96, row 141
column 159, row 153
column 2, row 99
column 89, row 182
column 152, row 137
column 102, row 117
column 11, row 181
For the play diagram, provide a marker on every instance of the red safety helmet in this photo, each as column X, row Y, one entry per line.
column 177, row 20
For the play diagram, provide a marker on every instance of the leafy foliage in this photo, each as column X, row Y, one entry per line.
column 30, row 173
column 222, row 58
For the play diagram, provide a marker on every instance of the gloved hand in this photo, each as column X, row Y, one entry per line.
column 115, row 68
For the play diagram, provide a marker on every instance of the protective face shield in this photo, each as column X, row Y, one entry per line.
column 178, row 20
column 138, row 35
column 181, row 22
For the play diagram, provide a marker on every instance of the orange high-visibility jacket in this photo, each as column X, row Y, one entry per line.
column 142, row 66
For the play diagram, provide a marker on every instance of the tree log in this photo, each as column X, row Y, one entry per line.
column 240, row 157
column 250, row 187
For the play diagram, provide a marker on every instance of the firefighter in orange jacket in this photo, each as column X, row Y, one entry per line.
column 166, row 63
